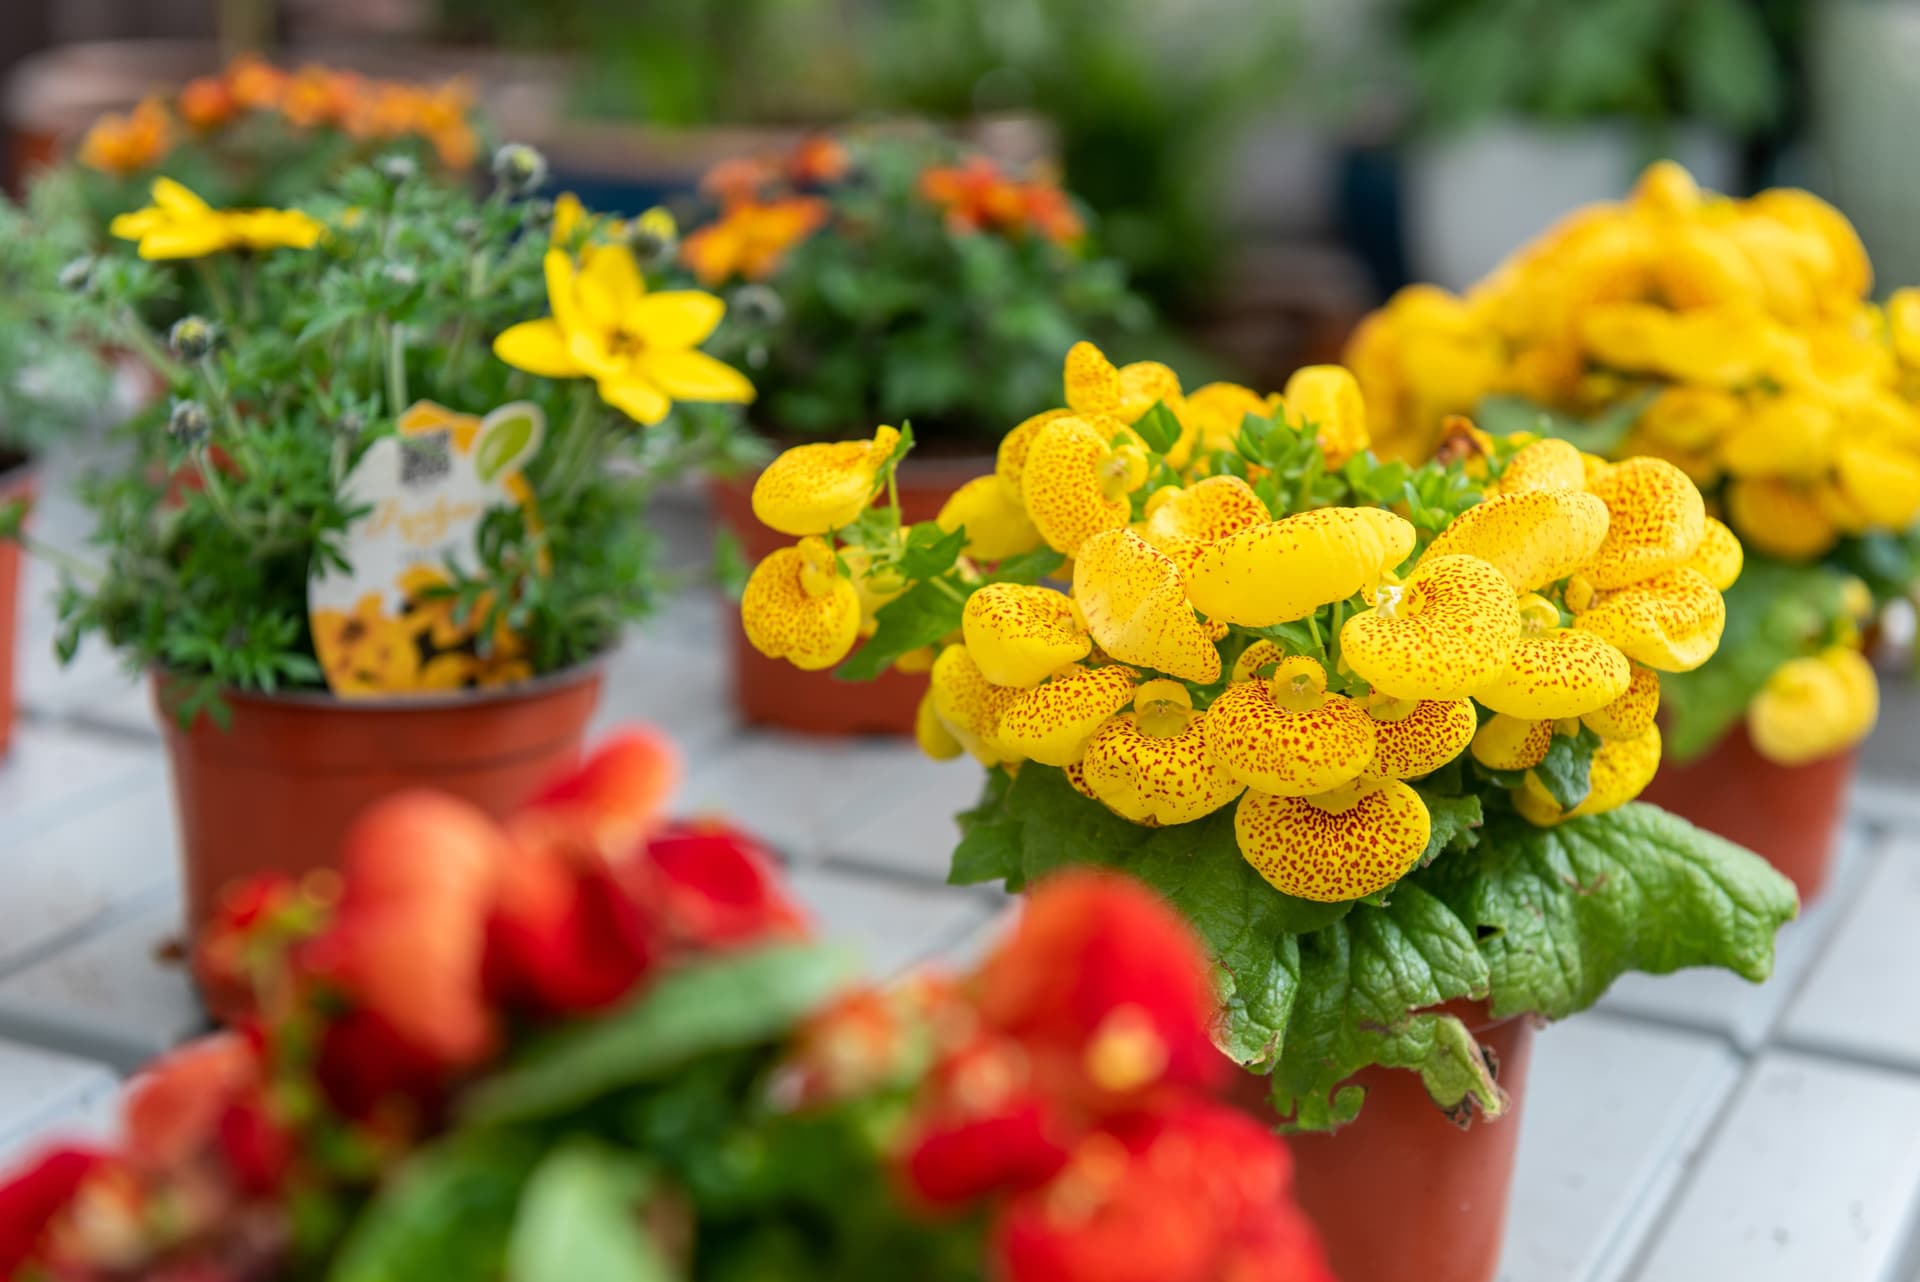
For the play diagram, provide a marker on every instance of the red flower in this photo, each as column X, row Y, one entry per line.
column 609, row 802
column 370, row 1073
column 714, row 887
column 566, row 939
column 31, row 1198
column 173, row 1110
column 1107, row 988
column 1019, row 1146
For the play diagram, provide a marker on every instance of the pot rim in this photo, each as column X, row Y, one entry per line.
column 532, row 688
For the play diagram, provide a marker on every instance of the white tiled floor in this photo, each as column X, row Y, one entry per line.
column 1694, row 1129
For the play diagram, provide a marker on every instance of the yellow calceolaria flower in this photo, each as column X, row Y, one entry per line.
column 1339, row 845
column 1535, row 537
column 1628, row 716
column 1512, row 743
column 1215, row 413
column 1328, row 397
column 931, row 733
column 1671, row 622
column 1781, row 519
column 822, row 487
column 1719, row 558
column 1134, row 600
column 970, row 706
column 1412, row 738
column 1554, row 672
column 1287, row 735
column 1010, row 461
column 178, row 224
column 1020, row 635
column 1096, row 389
column 799, row 607
column 1075, row 480
column 638, row 347
column 1152, row 765
column 1185, row 522
column 1814, row 707
column 1548, row 464
column 1620, row 771
column 1052, row 722
column 1655, row 522
column 1444, row 633
column 1287, row 569
column 997, row 526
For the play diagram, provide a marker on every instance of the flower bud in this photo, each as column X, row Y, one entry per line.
column 77, row 275
column 398, row 167
column 191, row 338
column 758, row 306
column 188, row 423
column 519, row 168
column 651, row 245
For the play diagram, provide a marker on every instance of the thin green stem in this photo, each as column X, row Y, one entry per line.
column 66, row 562
column 396, row 368
column 142, row 341
column 216, row 288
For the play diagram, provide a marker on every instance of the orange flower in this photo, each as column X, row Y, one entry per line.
column 751, row 238
column 818, row 160
column 255, row 83
column 1051, row 211
column 975, row 195
column 206, row 103
column 318, row 96
column 445, row 120
column 127, row 144
column 738, row 181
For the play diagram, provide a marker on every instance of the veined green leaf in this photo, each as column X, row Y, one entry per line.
column 445, row 1214
column 579, row 1221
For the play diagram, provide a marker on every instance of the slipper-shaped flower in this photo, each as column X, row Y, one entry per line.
column 931, row 733
column 1153, row 766
column 1629, row 716
column 1337, row 846
column 1287, row 569
column 1412, row 738
column 1134, row 601
column 1074, row 483
column 1260, row 660
column 1882, row 480
column 1512, row 743
column 1010, row 460
column 1548, row 464
column 799, row 607
column 1020, row 634
column 1814, row 707
column 970, row 706
column 1051, row 723
column 1288, row 736
column 1655, row 521
column 1792, row 435
column 997, row 526
column 1327, row 397
column 1780, row 518
column 1555, row 672
column 1094, row 387
column 1442, row 634
column 1621, row 770
column 1184, row 523
column 1671, row 622
column 1718, row 558
column 818, row 488
column 1535, row 537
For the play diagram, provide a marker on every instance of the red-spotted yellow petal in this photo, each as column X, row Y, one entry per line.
column 1144, row 384
column 1051, row 723
column 1414, row 738
column 1153, row 766
column 1328, row 398
column 1671, row 622
column 1628, row 716
column 1621, row 770
column 1814, row 707
column 1288, row 736
column 1183, row 523
column 997, row 526
column 1075, row 485
column 1442, row 634
column 1718, row 558
column 1135, row 605
column 1337, row 846
column 797, row 606
column 1780, row 518
column 1547, row 464
column 1257, row 656
column 1562, row 672
column 1010, row 461
column 1655, row 521
column 970, row 706
column 1535, row 537
column 814, row 489
column 1092, row 383
column 1021, row 634
column 1287, row 569
column 931, row 733
column 1511, row 743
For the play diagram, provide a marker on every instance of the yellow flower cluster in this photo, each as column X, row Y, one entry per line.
column 1162, row 671
column 1744, row 324
column 178, row 224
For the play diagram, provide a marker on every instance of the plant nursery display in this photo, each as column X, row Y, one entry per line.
column 1375, row 728
column 585, row 1043
column 393, row 510
column 1735, row 339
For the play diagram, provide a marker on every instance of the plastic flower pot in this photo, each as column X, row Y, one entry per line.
column 16, row 482
column 1789, row 815
column 1402, row 1192
column 278, row 790
column 771, row 692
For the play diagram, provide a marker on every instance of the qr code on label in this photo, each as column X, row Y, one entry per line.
column 425, row 458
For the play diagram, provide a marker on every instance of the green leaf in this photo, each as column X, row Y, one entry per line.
column 445, row 1215
column 1562, row 912
column 1158, row 428
column 579, row 1221
column 1456, row 822
column 930, row 551
column 1601, row 434
column 989, row 848
column 726, row 1003
column 925, row 614
column 731, row 568
column 1564, row 772
column 508, row 438
column 1730, row 74
column 1027, row 567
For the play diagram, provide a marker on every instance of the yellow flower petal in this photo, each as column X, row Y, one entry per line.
column 695, row 376
column 677, row 317
column 1814, row 707
column 1791, row 435
column 1655, row 521
column 1882, row 481
column 1560, row 673
column 1535, row 537
column 970, row 706
column 1142, row 385
column 1052, row 723
column 1257, row 656
column 1443, row 634
column 1156, row 768
column 1020, row 635
column 1287, row 569
column 997, row 527
column 798, row 607
column 1718, row 558
column 1010, row 461
column 1135, row 605
column 1214, row 413
column 1628, row 716
column 610, row 286
column 538, row 347
column 1415, row 738
column 1621, row 770
column 558, row 266
column 638, row 399
column 931, row 733
column 1512, row 743
column 1671, row 622
column 1073, row 485
column 1548, row 464
column 176, row 200
column 812, row 489
column 1780, row 519
column 1183, row 523
column 1092, row 383
column 1335, row 847
column 1288, row 736
column 1328, row 397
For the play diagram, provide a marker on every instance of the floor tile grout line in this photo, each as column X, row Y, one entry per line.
column 82, row 932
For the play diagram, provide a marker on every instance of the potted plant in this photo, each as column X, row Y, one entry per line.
column 896, row 277
column 393, row 513
column 582, row 1040
column 1528, row 109
column 1375, row 729
column 1733, row 338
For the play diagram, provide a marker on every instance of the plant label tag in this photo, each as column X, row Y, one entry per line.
column 386, row 617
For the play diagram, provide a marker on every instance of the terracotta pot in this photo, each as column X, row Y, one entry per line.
column 772, row 692
column 1401, row 1192
column 277, row 791
column 16, row 482
column 1789, row 815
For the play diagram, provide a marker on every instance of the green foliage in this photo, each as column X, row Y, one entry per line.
column 1778, row 610
column 889, row 313
column 52, row 382
column 1560, row 61
column 446, row 1214
column 578, row 1220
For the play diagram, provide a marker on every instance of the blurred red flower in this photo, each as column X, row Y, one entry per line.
column 34, row 1195
column 715, row 887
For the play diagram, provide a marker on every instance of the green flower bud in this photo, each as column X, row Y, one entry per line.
column 519, row 168
column 188, row 423
column 191, row 338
